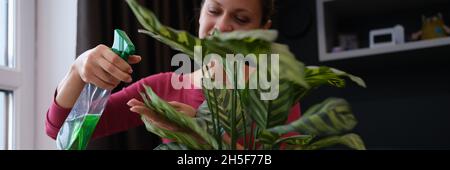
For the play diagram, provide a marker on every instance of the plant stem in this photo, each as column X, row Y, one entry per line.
column 233, row 113
column 245, row 127
column 214, row 114
column 252, row 129
column 254, row 137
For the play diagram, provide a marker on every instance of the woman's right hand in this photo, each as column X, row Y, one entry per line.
column 99, row 66
column 104, row 68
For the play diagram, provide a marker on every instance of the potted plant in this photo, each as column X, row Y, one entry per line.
column 242, row 112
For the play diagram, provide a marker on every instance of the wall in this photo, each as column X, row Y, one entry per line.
column 406, row 103
column 56, row 42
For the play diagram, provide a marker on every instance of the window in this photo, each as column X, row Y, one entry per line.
column 5, row 108
column 6, row 34
column 4, row 62
column 17, row 53
column 3, row 31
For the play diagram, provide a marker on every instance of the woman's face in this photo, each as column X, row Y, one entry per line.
column 230, row 15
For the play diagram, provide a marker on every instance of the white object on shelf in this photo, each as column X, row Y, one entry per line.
column 396, row 36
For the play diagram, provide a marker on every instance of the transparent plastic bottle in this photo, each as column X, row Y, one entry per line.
column 79, row 126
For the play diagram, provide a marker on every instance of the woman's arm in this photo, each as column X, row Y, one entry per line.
column 99, row 66
column 117, row 116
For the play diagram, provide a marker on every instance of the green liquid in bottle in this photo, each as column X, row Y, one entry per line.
column 83, row 131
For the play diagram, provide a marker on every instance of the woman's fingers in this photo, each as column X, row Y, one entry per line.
column 114, row 71
column 184, row 108
column 114, row 59
column 135, row 102
column 104, row 76
column 102, row 67
column 176, row 104
column 157, row 120
column 134, row 59
column 100, row 83
column 142, row 110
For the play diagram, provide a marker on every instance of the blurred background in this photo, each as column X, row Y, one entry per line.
column 400, row 48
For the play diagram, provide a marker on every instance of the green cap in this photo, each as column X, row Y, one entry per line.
column 122, row 45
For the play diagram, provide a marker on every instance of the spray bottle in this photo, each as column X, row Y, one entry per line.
column 79, row 126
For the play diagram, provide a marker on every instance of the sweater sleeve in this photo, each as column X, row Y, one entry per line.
column 117, row 116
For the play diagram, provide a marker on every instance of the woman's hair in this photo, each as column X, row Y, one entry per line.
column 267, row 8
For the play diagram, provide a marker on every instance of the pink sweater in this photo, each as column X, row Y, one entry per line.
column 117, row 116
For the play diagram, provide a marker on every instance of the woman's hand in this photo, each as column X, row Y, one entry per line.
column 103, row 68
column 161, row 122
column 156, row 119
column 183, row 108
column 99, row 66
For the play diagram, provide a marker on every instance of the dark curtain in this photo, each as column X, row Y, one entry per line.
column 97, row 20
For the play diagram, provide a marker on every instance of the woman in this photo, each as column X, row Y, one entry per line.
column 103, row 68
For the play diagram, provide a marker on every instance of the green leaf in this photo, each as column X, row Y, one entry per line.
column 266, row 137
column 178, row 40
column 352, row 141
column 292, row 83
column 180, row 137
column 332, row 117
column 248, row 36
column 291, row 69
column 166, row 110
column 222, row 100
column 275, row 140
column 318, row 76
column 295, row 140
column 172, row 146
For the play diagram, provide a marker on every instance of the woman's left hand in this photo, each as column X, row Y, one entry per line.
column 183, row 108
column 156, row 119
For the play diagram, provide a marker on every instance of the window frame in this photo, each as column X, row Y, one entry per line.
column 20, row 79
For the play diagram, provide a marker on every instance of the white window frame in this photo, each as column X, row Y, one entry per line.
column 20, row 79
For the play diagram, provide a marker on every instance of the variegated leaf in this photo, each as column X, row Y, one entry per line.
column 332, row 117
column 352, row 141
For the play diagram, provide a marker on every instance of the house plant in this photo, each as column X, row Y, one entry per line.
column 242, row 112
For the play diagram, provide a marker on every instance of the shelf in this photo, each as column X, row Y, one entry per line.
column 359, row 17
column 383, row 50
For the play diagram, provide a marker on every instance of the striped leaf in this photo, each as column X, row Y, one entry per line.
column 163, row 108
column 243, row 42
column 178, row 40
column 220, row 104
column 272, row 141
column 270, row 113
column 332, row 117
column 172, row 146
column 295, row 140
column 352, row 141
column 180, row 137
column 318, row 76
column 266, row 137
